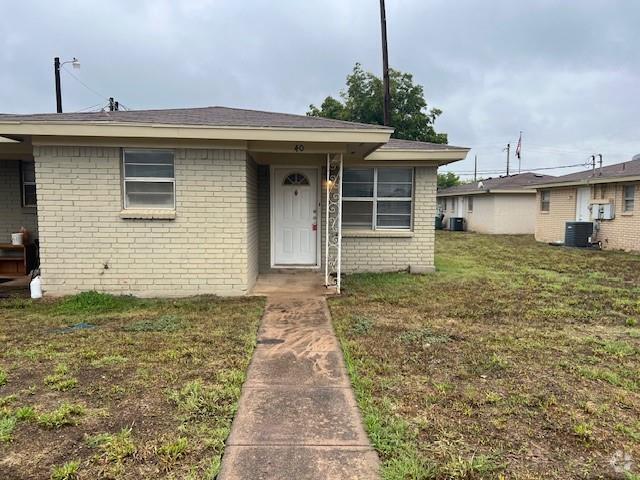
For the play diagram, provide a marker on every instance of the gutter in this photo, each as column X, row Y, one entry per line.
column 589, row 181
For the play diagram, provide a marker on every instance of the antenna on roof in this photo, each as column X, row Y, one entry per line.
column 385, row 67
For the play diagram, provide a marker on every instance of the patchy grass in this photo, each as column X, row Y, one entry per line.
column 515, row 360
column 100, row 386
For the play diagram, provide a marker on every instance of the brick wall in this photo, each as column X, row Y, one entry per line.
column 550, row 226
column 371, row 251
column 12, row 214
column 387, row 253
column 86, row 245
column 252, row 223
column 623, row 232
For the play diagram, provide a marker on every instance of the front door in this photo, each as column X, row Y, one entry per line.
column 295, row 216
column 583, row 197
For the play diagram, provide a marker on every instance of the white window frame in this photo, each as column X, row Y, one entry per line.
column 126, row 179
column 24, row 183
column 542, row 202
column 626, row 199
column 375, row 199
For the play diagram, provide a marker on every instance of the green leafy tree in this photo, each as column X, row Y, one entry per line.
column 448, row 179
column 363, row 98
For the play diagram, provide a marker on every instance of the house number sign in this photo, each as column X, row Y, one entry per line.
column 299, row 147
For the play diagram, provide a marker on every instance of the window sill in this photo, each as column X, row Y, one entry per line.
column 147, row 214
column 627, row 214
column 377, row 233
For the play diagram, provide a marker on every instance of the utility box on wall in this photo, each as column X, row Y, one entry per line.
column 602, row 211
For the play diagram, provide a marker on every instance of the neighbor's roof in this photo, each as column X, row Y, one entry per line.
column 611, row 173
column 521, row 182
column 204, row 116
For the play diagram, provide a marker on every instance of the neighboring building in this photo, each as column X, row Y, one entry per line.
column 503, row 205
column 610, row 197
column 191, row 201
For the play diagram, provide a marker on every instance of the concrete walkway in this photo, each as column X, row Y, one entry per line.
column 298, row 417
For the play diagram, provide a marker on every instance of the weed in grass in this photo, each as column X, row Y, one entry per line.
column 361, row 325
column 65, row 414
column 60, row 379
column 108, row 360
column 424, row 337
column 616, row 348
column 7, row 399
column 497, row 362
column 171, row 451
column 631, row 322
column 114, row 447
column 602, row 374
column 3, row 377
column 164, row 323
column 68, row 471
column 584, row 431
column 7, row 425
column 196, row 399
column 94, row 303
column 631, row 431
column 25, row 413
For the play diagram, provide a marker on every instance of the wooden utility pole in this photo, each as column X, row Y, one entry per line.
column 56, row 73
column 475, row 168
column 385, row 67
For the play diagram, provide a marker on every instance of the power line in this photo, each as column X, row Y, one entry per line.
column 485, row 172
column 104, row 97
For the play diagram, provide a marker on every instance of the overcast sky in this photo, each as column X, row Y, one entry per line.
column 566, row 73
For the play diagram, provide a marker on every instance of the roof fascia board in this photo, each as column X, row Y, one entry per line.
column 139, row 130
column 590, row 181
column 440, row 156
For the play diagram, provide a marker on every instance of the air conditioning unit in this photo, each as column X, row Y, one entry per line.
column 602, row 211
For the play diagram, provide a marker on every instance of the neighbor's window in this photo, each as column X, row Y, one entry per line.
column 149, row 179
column 28, row 177
column 545, row 200
column 629, row 192
column 470, row 203
column 377, row 198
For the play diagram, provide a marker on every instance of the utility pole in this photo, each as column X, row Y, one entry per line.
column 508, row 149
column 56, row 72
column 385, row 67
column 600, row 163
column 475, row 168
column 114, row 106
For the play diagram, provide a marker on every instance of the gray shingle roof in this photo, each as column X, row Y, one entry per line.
column 517, row 182
column 398, row 144
column 619, row 170
column 205, row 116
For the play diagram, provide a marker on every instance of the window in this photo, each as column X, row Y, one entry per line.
column 377, row 198
column 296, row 179
column 28, row 178
column 470, row 203
column 545, row 200
column 629, row 192
column 149, row 180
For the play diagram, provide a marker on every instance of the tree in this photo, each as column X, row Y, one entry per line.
column 362, row 101
column 448, row 179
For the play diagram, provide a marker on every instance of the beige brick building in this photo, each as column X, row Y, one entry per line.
column 183, row 202
column 608, row 197
column 502, row 205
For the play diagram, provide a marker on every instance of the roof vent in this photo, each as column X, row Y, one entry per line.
column 480, row 185
column 636, row 157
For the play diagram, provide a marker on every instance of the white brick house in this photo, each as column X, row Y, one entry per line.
column 191, row 201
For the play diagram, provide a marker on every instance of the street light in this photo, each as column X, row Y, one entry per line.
column 56, row 70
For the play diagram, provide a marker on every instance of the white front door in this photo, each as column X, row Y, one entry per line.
column 583, row 197
column 295, row 216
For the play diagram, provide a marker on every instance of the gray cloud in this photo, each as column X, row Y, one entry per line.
column 566, row 73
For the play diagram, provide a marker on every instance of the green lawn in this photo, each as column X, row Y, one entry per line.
column 148, row 391
column 515, row 360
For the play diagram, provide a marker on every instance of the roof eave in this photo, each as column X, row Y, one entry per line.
column 438, row 157
column 208, row 132
column 588, row 181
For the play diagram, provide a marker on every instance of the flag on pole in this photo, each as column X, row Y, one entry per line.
column 519, row 147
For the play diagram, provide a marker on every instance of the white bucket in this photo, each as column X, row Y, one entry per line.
column 36, row 288
column 16, row 238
